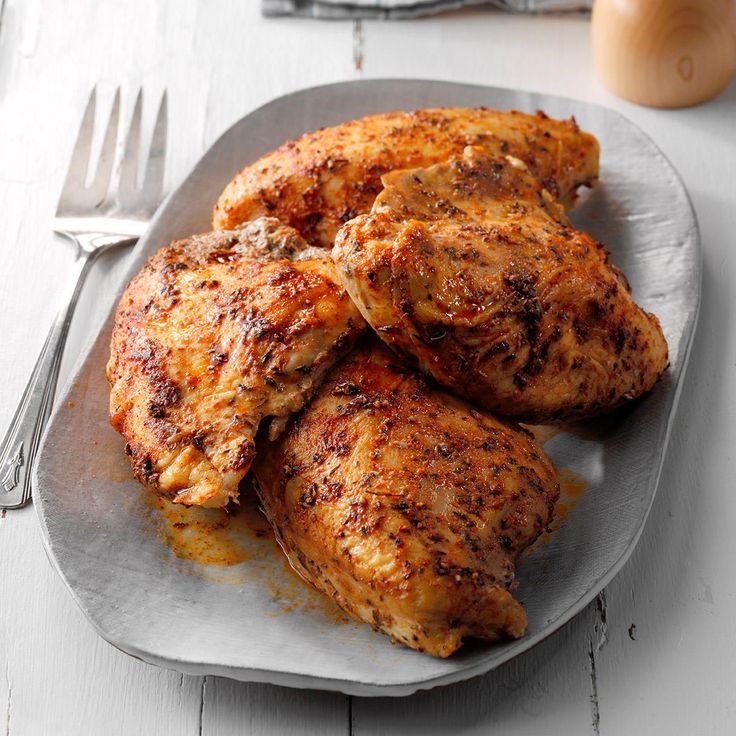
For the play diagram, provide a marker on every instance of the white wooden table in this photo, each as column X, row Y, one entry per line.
column 656, row 654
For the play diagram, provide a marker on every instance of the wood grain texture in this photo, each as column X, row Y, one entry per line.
column 673, row 673
column 665, row 53
column 233, row 708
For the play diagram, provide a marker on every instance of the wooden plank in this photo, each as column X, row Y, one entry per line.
column 526, row 52
column 234, row 708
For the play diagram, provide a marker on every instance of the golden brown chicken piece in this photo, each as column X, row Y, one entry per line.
column 216, row 333
column 327, row 177
column 472, row 269
column 406, row 505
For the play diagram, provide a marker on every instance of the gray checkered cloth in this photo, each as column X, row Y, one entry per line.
column 387, row 9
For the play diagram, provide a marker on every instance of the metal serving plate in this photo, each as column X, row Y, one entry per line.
column 253, row 620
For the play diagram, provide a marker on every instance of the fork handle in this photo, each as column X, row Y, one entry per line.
column 20, row 444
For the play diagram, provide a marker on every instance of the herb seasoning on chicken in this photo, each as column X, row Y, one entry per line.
column 216, row 333
column 324, row 178
column 406, row 505
column 472, row 269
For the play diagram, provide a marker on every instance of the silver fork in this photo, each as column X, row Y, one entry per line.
column 109, row 212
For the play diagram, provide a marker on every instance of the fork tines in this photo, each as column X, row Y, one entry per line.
column 102, row 194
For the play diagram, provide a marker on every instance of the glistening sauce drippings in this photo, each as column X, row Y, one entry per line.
column 211, row 536
column 237, row 547
column 572, row 486
column 289, row 591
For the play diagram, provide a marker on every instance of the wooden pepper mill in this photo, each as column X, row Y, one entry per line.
column 665, row 53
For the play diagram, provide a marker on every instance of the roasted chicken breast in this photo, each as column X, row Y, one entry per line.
column 472, row 269
column 216, row 333
column 405, row 504
column 325, row 178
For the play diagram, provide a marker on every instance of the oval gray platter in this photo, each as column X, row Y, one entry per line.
column 252, row 621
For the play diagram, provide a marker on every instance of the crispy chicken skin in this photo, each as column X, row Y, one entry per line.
column 324, row 178
column 472, row 269
column 406, row 505
column 216, row 333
